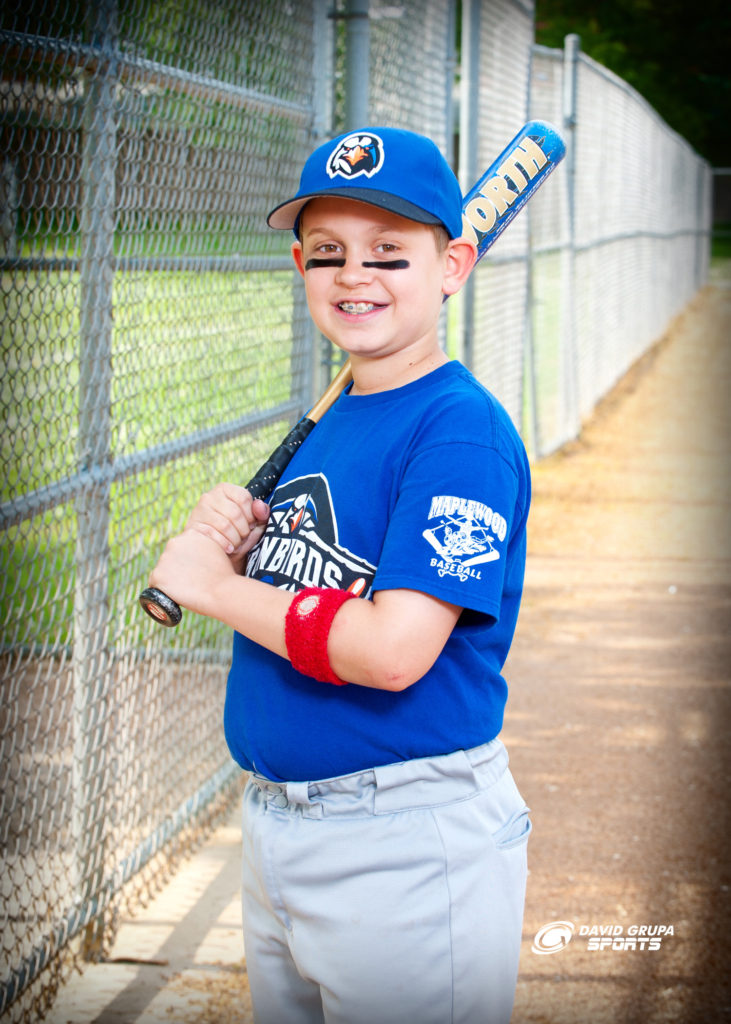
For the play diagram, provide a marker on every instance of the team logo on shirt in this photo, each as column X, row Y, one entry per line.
column 464, row 535
column 300, row 546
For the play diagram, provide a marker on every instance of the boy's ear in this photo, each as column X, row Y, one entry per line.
column 460, row 259
column 299, row 260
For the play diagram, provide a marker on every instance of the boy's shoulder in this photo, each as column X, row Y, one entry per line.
column 468, row 403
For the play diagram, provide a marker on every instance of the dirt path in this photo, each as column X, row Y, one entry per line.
column 619, row 710
column 617, row 727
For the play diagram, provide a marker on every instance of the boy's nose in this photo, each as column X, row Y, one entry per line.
column 353, row 272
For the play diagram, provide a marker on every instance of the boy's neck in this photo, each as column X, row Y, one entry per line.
column 373, row 375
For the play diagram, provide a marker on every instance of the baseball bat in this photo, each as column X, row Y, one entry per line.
column 487, row 209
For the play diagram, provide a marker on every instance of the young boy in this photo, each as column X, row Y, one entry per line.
column 384, row 837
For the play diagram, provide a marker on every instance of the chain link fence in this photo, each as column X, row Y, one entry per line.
column 618, row 249
column 155, row 340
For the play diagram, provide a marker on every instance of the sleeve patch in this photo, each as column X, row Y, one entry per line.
column 464, row 534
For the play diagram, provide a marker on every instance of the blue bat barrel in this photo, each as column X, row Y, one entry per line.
column 509, row 182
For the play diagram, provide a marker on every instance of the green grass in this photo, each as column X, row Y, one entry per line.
column 721, row 242
column 189, row 351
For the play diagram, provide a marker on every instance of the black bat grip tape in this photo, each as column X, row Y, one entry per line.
column 162, row 608
column 264, row 480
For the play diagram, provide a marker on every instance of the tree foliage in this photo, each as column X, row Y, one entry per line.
column 675, row 54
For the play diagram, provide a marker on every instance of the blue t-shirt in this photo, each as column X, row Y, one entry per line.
column 425, row 487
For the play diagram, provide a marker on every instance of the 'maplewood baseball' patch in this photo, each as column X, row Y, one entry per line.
column 464, row 534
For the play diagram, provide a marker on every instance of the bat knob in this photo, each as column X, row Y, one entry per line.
column 160, row 607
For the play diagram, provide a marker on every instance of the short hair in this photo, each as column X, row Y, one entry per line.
column 441, row 237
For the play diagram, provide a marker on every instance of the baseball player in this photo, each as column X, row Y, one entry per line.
column 373, row 601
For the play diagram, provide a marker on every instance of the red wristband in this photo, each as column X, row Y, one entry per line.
column 306, row 629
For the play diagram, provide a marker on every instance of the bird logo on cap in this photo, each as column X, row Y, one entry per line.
column 354, row 155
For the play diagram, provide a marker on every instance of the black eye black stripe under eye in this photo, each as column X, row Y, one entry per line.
column 389, row 264
column 382, row 264
column 310, row 264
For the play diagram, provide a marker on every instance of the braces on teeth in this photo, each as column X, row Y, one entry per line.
column 357, row 307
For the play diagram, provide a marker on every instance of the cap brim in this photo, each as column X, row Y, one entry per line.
column 285, row 215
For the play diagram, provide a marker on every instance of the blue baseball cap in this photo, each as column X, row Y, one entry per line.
column 391, row 168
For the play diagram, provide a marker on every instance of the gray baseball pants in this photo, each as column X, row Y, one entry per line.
column 390, row 896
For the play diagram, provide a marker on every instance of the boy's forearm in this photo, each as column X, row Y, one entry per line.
column 256, row 610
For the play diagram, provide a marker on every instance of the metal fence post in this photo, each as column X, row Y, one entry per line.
column 450, row 69
column 91, row 660
column 569, row 370
column 469, row 136
column 323, row 102
column 356, row 16
column 8, row 209
column 703, row 216
column 357, row 63
column 529, row 383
